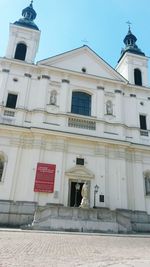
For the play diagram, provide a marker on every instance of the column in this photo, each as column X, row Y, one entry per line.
column 100, row 102
column 118, row 106
column 64, row 96
column 3, row 85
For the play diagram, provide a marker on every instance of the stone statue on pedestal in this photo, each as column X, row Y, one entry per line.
column 85, row 196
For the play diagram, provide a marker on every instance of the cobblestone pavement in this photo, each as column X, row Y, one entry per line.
column 30, row 249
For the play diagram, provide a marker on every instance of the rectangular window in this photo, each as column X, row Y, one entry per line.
column 101, row 198
column 11, row 101
column 143, row 125
column 79, row 161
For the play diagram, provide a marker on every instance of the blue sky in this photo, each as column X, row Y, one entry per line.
column 64, row 24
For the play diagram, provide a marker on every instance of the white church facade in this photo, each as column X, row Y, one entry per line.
column 71, row 119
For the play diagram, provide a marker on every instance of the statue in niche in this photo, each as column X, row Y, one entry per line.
column 53, row 97
column 1, row 168
column 109, row 108
column 85, row 196
column 147, row 182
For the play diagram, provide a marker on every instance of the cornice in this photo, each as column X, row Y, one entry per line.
column 42, row 69
column 41, row 137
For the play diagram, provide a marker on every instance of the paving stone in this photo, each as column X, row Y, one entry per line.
column 48, row 249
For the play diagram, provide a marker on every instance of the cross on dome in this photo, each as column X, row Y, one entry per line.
column 31, row 3
column 129, row 24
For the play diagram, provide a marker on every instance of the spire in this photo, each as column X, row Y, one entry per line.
column 130, row 44
column 129, row 27
column 28, row 15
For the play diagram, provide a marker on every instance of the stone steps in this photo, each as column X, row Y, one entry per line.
column 61, row 218
column 81, row 220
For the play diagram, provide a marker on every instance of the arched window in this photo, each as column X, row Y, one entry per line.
column 1, row 168
column 137, row 77
column 21, row 50
column 81, row 103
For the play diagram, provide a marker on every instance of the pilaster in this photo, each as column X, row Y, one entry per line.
column 64, row 95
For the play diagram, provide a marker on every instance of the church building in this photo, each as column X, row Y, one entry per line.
column 71, row 120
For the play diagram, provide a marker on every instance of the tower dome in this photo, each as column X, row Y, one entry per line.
column 130, row 45
column 29, row 15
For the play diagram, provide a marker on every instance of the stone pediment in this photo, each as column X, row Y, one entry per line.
column 79, row 172
column 83, row 60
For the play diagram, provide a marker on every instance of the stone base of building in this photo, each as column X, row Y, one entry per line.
column 90, row 220
column 15, row 214
column 28, row 215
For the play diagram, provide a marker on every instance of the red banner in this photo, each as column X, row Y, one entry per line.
column 45, row 176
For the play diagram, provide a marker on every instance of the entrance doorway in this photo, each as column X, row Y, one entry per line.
column 75, row 193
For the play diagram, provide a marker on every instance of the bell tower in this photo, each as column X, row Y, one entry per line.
column 133, row 64
column 24, row 36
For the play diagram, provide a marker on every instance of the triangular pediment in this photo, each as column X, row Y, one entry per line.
column 79, row 172
column 83, row 59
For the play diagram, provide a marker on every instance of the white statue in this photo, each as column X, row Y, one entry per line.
column 53, row 97
column 109, row 108
column 85, row 196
